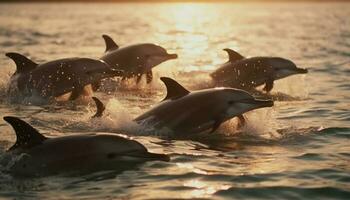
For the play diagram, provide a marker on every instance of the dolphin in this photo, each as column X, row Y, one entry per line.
column 248, row 73
column 135, row 60
column 186, row 112
column 57, row 78
column 42, row 156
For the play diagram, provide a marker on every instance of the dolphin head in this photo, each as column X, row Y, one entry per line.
column 121, row 148
column 154, row 55
column 135, row 59
column 284, row 67
column 238, row 102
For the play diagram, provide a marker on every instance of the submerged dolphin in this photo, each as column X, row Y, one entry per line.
column 57, row 78
column 135, row 60
column 41, row 156
column 186, row 112
column 248, row 73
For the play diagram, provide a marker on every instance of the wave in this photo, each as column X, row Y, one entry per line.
column 285, row 192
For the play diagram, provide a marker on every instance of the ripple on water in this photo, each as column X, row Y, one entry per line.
column 293, row 163
column 285, row 192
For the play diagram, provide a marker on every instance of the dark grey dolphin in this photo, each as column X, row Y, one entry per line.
column 58, row 77
column 186, row 112
column 248, row 73
column 135, row 60
column 41, row 156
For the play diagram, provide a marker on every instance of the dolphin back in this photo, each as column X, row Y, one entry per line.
column 27, row 136
column 174, row 89
column 23, row 64
column 110, row 44
column 233, row 55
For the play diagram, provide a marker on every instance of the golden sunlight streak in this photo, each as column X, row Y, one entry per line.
column 188, row 20
column 203, row 189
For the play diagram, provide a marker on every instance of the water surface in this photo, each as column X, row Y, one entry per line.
column 299, row 149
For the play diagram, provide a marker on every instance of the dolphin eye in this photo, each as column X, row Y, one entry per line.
column 231, row 102
column 111, row 155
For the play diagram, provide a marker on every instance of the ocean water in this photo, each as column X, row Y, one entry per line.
column 298, row 149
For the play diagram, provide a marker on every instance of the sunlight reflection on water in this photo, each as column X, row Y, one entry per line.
column 282, row 148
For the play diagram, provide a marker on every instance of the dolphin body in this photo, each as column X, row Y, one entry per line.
column 43, row 156
column 248, row 73
column 186, row 112
column 57, row 78
column 135, row 60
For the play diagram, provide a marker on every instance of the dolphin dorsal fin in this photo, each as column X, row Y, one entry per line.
column 100, row 108
column 27, row 136
column 23, row 63
column 233, row 56
column 174, row 89
column 110, row 44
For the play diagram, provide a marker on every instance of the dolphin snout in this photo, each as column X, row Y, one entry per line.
column 156, row 156
column 172, row 56
column 264, row 103
column 302, row 70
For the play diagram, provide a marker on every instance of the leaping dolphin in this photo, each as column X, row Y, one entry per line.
column 248, row 73
column 185, row 112
column 42, row 156
column 57, row 78
column 135, row 60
